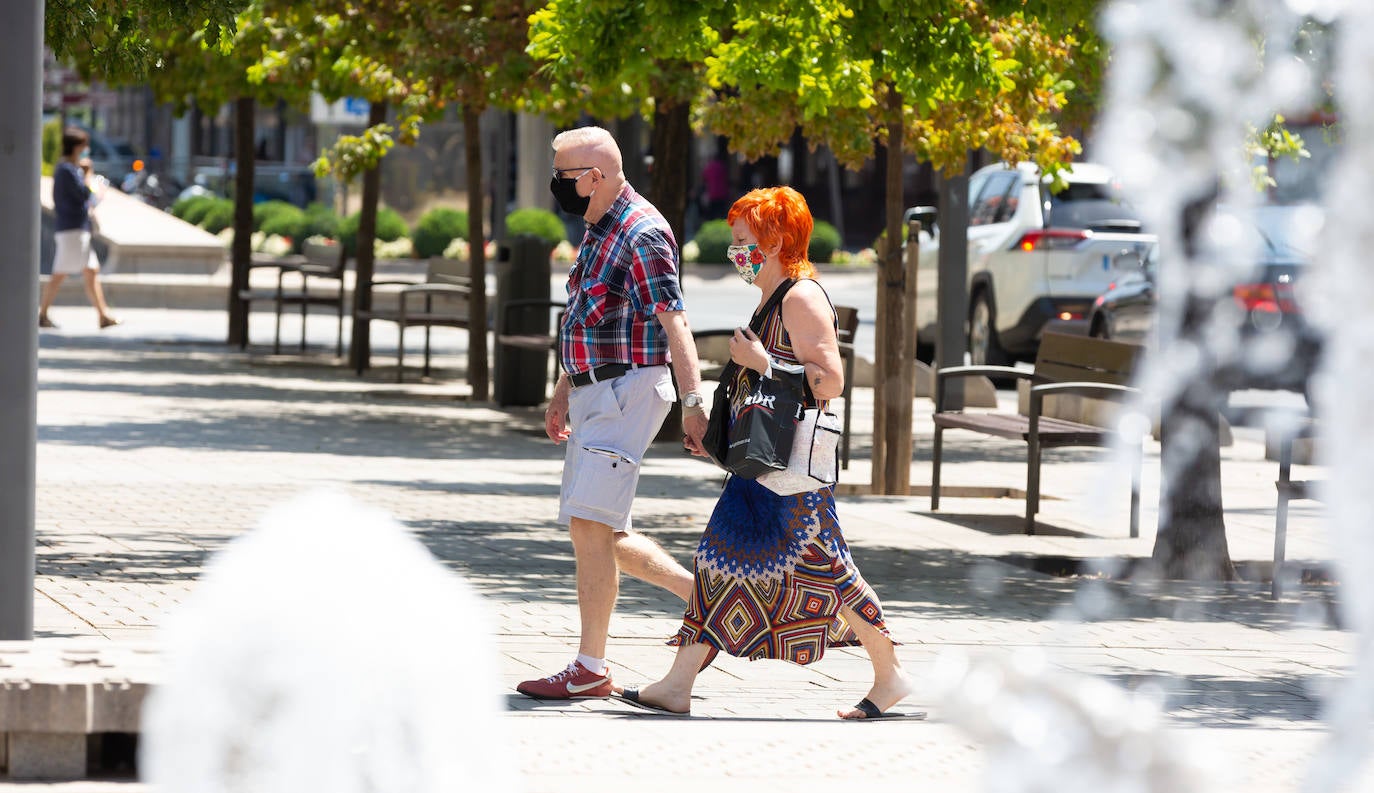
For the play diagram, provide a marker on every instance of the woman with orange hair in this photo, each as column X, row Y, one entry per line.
column 773, row 575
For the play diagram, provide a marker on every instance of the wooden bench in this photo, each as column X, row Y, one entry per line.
column 321, row 262
column 441, row 300
column 1289, row 490
column 1065, row 364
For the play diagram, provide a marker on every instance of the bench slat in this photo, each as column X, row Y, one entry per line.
column 1053, row 432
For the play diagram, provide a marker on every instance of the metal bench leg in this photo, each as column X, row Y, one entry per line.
column 1136, row 463
column 400, row 349
column 848, row 402
column 1032, row 481
column 338, row 345
column 427, row 329
column 304, row 300
column 1281, row 517
column 935, row 469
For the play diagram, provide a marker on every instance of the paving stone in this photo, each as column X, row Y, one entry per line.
column 157, row 446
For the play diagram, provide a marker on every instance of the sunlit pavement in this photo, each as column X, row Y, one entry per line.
column 157, row 445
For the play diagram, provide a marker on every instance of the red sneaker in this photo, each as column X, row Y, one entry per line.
column 575, row 682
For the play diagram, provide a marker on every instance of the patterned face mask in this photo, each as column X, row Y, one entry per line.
column 748, row 260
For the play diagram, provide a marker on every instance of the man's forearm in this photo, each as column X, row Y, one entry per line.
column 683, row 350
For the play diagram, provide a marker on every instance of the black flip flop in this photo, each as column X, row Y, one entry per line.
column 872, row 713
column 631, row 696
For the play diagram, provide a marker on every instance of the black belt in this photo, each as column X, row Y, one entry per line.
column 608, row 371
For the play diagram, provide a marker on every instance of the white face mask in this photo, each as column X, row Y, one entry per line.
column 748, row 260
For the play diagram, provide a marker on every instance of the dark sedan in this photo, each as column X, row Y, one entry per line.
column 1279, row 349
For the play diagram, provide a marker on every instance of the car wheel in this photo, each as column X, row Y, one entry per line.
column 1099, row 329
column 983, row 346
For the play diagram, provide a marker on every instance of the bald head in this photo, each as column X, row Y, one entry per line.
column 590, row 146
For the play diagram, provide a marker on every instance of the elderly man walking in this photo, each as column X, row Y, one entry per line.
column 623, row 327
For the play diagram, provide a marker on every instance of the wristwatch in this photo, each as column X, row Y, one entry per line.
column 691, row 399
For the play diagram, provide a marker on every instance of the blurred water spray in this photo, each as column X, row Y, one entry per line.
column 1051, row 731
column 328, row 651
column 1343, row 297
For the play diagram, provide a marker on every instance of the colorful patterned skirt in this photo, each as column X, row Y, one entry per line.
column 771, row 574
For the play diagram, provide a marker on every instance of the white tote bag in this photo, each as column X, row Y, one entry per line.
column 814, row 462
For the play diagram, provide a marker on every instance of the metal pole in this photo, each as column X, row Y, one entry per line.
column 952, row 287
column 20, row 95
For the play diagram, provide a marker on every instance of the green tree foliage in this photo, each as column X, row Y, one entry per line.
column 436, row 229
column 119, row 40
column 614, row 58
column 536, row 222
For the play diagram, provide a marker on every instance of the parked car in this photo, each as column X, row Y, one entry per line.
column 1036, row 258
column 112, row 158
column 1279, row 348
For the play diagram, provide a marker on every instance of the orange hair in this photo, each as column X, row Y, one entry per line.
column 778, row 215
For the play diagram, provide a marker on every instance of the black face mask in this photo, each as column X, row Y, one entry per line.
column 565, row 193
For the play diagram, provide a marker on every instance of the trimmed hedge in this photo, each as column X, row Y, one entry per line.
column 390, row 227
column 219, row 216
column 712, row 239
column 825, row 240
column 286, row 221
column 266, row 210
column 322, row 221
column 192, row 209
column 436, row 229
column 536, row 222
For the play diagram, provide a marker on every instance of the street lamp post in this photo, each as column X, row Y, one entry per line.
column 20, row 133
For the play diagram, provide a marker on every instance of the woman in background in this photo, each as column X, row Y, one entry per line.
column 72, row 198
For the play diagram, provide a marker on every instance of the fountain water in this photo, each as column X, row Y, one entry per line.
column 328, row 650
column 1189, row 81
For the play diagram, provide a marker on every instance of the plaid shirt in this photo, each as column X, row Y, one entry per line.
column 625, row 273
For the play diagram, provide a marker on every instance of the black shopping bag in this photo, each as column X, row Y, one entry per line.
column 766, row 422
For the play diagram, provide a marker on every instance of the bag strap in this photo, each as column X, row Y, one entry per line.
column 731, row 369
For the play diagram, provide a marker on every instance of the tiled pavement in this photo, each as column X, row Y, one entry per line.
column 156, row 446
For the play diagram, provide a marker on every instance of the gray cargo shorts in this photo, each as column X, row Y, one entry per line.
column 612, row 423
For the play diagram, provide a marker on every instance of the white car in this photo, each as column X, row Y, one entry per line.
column 1036, row 259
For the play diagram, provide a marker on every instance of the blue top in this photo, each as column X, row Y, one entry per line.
column 70, row 198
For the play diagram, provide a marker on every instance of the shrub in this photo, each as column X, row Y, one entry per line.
column 535, row 222
column 712, row 239
column 824, row 240
column 52, row 142
column 321, row 221
column 390, row 227
column 436, row 229
column 286, row 221
column 266, row 210
column 219, row 216
column 192, row 209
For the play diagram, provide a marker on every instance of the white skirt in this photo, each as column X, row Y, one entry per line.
column 73, row 253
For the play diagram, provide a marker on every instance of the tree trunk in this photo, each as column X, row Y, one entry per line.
column 478, row 371
column 360, row 351
column 893, row 371
column 241, row 254
column 671, row 140
column 1191, row 540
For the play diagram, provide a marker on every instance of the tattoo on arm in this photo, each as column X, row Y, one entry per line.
column 817, row 381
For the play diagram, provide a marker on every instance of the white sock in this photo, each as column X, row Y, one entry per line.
column 596, row 666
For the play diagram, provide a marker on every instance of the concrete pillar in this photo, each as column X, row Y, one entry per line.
column 534, row 159
column 20, row 135
column 46, row 755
